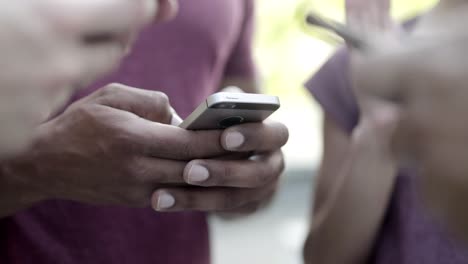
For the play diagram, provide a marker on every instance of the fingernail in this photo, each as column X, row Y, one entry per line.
column 165, row 201
column 234, row 140
column 197, row 174
column 176, row 119
column 232, row 89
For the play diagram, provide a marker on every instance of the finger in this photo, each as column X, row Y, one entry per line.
column 156, row 172
column 252, row 173
column 171, row 142
column 150, row 105
column 248, row 209
column 167, row 10
column 354, row 14
column 95, row 17
column 206, row 199
column 383, row 14
column 267, row 136
column 232, row 89
column 368, row 16
column 242, row 211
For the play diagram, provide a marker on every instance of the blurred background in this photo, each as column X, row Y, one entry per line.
column 287, row 56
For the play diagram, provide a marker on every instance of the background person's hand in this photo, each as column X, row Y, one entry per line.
column 51, row 47
column 426, row 76
column 113, row 147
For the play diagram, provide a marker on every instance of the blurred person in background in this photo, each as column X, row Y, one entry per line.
column 49, row 48
column 83, row 192
column 368, row 206
column 423, row 75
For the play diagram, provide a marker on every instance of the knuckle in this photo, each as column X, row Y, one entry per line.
column 229, row 201
column 160, row 98
column 222, row 178
column 266, row 175
column 253, row 140
column 188, row 151
column 110, row 89
column 139, row 173
column 136, row 197
column 162, row 106
column 144, row 174
column 84, row 113
column 108, row 139
column 262, row 178
column 188, row 200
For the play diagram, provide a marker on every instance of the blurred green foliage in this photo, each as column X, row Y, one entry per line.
column 287, row 56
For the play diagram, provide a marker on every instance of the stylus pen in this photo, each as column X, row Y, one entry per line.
column 338, row 28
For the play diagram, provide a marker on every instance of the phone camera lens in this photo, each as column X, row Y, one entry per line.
column 231, row 121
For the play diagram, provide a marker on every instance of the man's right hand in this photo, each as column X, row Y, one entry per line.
column 114, row 147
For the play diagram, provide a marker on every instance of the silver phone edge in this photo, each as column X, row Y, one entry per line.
column 222, row 97
column 194, row 115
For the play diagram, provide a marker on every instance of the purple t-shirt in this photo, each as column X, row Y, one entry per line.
column 408, row 234
column 187, row 59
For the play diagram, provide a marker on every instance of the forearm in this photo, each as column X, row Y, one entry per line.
column 320, row 246
column 15, row 195
column 17, row 190
column 345, row 228
column 332, row 237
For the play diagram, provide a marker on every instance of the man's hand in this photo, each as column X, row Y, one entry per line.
column 116, row 147
column 225, row 185
column 237, row 184
column 113, row 147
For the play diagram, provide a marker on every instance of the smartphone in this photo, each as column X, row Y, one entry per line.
column 222, row 110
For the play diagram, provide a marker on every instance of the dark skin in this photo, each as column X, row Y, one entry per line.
column 235, row 170
column 116, row 147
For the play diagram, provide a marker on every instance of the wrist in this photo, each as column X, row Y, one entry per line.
column 15, row 194
column 19, row 186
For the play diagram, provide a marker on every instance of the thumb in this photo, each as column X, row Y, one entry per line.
column 150, row 105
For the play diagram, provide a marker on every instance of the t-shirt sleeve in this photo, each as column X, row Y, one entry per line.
column 331, row 86
column 241, row 60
